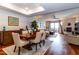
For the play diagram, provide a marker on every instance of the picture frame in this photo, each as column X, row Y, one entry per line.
column 13, row 21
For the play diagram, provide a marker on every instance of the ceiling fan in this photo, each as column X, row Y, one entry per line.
column 55, row 17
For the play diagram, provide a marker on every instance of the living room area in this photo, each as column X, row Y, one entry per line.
column 40, row 28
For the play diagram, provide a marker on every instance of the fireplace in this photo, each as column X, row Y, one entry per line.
column 68, row 29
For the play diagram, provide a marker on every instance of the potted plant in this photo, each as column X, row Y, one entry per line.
column 34, row 25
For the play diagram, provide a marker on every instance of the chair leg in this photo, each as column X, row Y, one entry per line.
column 36, row 47
column 43, row 42
column 19, row 51
column 40, row 44
column 14, row 48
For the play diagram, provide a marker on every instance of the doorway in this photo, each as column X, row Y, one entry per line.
column 54, row 26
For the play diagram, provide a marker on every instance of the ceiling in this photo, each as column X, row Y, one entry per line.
column 48, row 7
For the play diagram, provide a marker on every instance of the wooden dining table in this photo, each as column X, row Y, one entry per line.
column 28, row 37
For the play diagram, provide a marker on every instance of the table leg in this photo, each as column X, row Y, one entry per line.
column 28, row 46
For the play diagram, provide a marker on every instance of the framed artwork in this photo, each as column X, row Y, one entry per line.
column 13, row 21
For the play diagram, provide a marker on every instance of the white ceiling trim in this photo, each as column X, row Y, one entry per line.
column 34, row 8
column 21, row 10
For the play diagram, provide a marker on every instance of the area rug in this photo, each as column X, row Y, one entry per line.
column 40, row 51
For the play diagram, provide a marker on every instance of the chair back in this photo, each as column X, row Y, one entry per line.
column 41, row 31
column 30, row 31
column 43, row 36
column 24, row 32
column 38, row 37
column 16, row 38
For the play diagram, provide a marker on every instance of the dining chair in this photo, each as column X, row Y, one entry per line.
column 43, row 37
column 41, row 31
column 36, row 41
column 24, row 32
column 18, row 42
column 30, row 31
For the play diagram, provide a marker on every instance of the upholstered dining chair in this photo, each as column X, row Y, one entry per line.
column 36, row 41
column 43, row 37
column 41, row 31
column 24, row 32
column 18, row 42
column 30, row 31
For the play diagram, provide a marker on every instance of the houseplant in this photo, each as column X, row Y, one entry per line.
column 34, row 25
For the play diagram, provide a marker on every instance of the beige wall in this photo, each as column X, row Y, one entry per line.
column 62, row 14
column 71, row 20
column 4, row 13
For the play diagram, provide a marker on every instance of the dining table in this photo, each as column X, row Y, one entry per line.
column 28, row 37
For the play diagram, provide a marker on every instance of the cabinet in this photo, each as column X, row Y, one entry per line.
column 6, row 37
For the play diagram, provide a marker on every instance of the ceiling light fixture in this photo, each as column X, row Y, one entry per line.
column 55, row 17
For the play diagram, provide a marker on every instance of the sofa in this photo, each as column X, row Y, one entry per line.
column 73, row 39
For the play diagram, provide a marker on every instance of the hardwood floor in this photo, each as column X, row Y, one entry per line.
column 59, row 46
column 75, row 48
column 3, row 46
